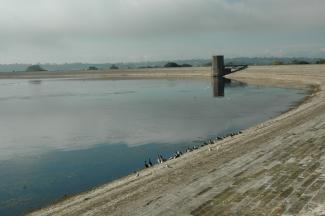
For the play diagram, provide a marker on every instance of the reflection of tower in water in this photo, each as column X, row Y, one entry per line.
column 218, row 84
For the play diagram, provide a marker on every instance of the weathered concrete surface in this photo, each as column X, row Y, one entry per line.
column 275, row 168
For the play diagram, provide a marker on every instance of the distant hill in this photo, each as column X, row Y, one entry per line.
column 160, row 64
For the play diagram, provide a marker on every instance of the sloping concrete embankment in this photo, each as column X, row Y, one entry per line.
column 274, row 168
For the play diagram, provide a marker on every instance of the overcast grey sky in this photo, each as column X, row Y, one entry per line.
column 58, row 31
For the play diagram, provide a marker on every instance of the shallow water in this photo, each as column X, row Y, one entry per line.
column 60, row 137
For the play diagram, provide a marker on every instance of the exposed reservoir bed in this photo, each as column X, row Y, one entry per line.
column 60, row 137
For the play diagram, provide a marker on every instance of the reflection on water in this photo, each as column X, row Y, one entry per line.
column 37, row 82
column 65, row 136
column 219, row 84
column 56, row 174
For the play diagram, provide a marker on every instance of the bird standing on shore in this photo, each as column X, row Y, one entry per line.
column 160, row 159
column 145, row 164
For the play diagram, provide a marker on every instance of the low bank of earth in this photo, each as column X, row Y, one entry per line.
column 274, row 168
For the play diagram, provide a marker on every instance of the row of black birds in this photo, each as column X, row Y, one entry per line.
column 177, row 154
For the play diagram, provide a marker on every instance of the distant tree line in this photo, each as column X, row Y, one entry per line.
column 321, row 61
column 160, row 64
column 175, row 65
column 92, row 68
column 114, row 67
column 299, row 62
column 34, row 68
column 295, row 62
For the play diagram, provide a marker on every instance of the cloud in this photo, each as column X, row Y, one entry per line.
column 130, row 18
column 51, row 25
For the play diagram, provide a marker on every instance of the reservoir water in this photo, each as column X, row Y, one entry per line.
column 60, row 137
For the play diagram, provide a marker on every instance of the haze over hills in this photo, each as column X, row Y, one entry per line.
column 132, row 65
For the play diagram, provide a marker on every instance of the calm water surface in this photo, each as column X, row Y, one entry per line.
column 61, row 137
